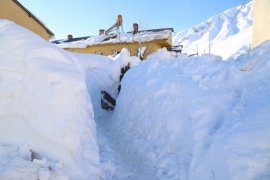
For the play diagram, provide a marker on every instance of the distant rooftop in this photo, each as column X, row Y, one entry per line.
column 140, row 36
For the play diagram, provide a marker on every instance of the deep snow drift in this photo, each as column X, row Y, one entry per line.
column 175, row 118
column 47, row 127
column 225, row 34
column 200, row 117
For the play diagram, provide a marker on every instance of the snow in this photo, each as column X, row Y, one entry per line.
column 45, row 106
column 17, row 163
column 183, row 117
column 227, row 34
column 176, row 117
column 119, row 159
column 199, row 117
column 103, row 73
column 144, row 36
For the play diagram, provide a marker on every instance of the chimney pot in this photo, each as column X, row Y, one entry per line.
column 69, row 37
column 135, row 28
column 101, row 31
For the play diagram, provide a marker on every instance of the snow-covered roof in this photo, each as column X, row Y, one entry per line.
column 141, row 36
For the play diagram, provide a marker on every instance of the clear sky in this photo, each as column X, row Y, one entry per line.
column 86, row 17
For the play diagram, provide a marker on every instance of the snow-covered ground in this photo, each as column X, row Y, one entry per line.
column 226, row 34
column 175, row 118
column 103, row 73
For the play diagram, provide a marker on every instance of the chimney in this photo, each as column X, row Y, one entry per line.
column 69, row 37
column 101, row 31
column 135, row 28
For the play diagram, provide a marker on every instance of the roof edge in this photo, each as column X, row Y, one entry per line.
column 154, row 30
column 84, row 37
column 34, row 17
column 123, row 42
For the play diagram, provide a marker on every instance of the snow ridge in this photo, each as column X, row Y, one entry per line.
column 225, row 33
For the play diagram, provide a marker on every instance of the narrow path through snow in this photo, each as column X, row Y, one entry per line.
column 119, row 158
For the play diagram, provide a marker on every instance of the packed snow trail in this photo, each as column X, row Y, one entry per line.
column 120, row 159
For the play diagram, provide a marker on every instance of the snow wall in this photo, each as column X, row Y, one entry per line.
column 46, row 115
column 200, row 117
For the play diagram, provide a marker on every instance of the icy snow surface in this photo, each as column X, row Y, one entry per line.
column 226, row 34
column 46, row 117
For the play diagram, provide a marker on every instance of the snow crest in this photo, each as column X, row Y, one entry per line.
column 226, row 34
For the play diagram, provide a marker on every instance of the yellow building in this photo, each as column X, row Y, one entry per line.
column 261, row 19
column 139, row 43
column 14, row 11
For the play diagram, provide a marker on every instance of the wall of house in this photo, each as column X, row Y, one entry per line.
column 109, row 49
column 261, row 19
column 11, row 11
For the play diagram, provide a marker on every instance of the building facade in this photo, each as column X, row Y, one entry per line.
column 261, row 21
column 134, row 48
column 139, row 43
column 14, row 11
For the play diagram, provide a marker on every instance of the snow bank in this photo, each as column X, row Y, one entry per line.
column 44, row 106
column 200, row 117
column 226, row 34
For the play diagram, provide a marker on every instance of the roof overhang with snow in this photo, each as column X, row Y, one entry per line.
column 151, row 35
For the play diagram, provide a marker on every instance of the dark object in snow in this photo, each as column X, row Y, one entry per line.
column 34, row 155
column 107, row 101
column 177, row 49
column 61, row 41
column 196, row 54
column 123, row 72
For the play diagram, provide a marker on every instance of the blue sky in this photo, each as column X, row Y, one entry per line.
column 86, row 17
